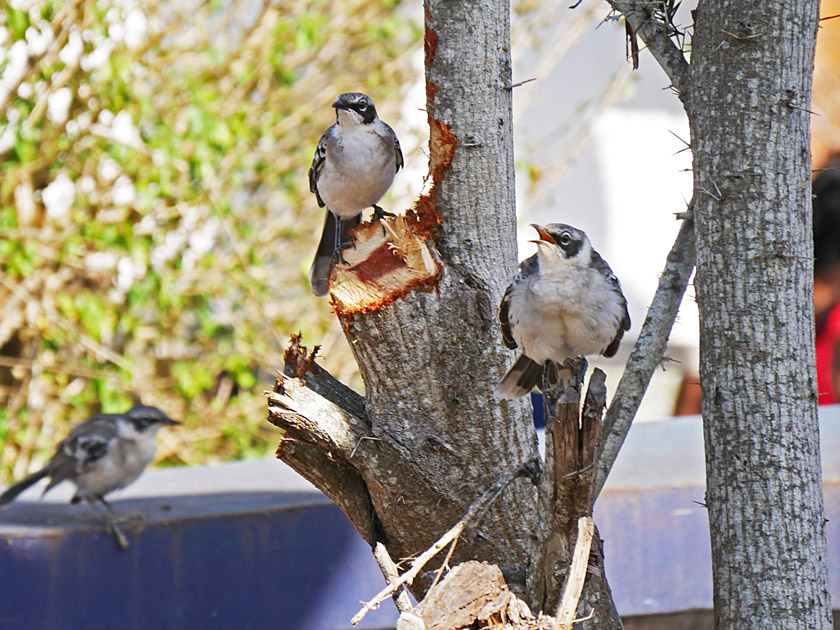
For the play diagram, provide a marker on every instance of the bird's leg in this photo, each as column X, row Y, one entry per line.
column 567, row 373
column 338, row 243
column 110, row 519
column 378, row 214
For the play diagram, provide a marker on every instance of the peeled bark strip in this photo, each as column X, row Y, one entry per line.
column 750, row 94
column 576, row 576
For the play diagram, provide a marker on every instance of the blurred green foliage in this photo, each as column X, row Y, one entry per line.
column 155, row 218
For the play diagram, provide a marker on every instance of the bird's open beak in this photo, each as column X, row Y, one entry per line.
column 544, row 237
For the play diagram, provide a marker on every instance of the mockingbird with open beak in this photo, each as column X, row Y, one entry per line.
column 564, row 303
column 102, row 454
column 354, row 165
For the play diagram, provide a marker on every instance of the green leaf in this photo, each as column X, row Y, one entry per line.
column 18, row 22
column 191, row 378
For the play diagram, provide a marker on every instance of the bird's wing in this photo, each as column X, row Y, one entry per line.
column 318, row 165
column 87, row 443
column 603, row 268
column 397, row 149
column 527, row 267
column 504, row 318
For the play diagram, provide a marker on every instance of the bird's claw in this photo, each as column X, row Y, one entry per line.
column 120, row 537
column 338, row 253
column 379, row 214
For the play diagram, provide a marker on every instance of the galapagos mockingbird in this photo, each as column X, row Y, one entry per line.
column 564, row 303
column 102, row 454
column 354, row 165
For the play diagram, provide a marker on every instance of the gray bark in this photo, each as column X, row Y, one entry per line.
column 750, row 85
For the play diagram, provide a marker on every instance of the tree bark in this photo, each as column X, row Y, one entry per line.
column 750, row 86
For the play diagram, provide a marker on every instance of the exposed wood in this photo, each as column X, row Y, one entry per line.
column 577, row 574
column 300, row 363
column 473, row 515
column 566, row 495
column 390, row 258
column 390, row 573
column 336, row 452
column 472, row 596
column 317, row 440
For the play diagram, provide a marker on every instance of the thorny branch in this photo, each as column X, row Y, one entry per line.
column 656, row 32
column 390, row 573
column 648, row 352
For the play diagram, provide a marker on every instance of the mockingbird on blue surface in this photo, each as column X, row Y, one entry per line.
column 564, row 303
column 353, row 167
column 102, row 454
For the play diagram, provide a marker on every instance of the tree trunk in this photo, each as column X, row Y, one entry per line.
column 749, row 95
column 433, row 437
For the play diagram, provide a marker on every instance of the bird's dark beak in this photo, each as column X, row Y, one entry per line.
column 339, row 104
column 169, row 422
column 544, row 237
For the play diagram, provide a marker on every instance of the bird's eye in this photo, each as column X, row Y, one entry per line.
column 565, row 239
column 362, row 107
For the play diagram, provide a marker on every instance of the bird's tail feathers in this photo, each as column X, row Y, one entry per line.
column 320, row 270
column 11, row 494
column 519, row 380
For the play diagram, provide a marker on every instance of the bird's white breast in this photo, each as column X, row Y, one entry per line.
column 565, row 316
column 359, row 168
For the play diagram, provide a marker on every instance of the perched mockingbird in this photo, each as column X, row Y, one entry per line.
column 564, row 303
column 354, row 165
column 102, row 454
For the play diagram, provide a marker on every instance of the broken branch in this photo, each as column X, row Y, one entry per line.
column 390, row 573
column 476, row 511
column 577, row 574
